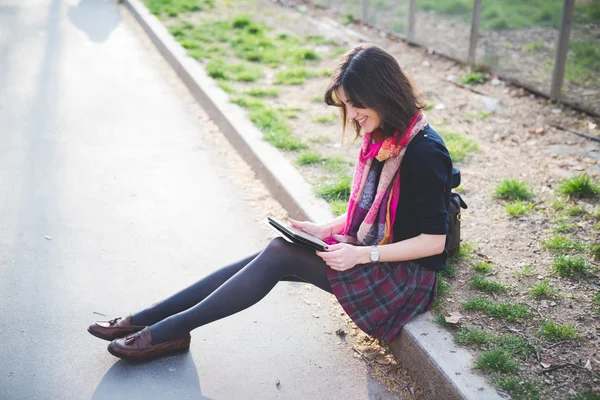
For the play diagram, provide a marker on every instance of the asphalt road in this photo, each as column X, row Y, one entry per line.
column 111, row 198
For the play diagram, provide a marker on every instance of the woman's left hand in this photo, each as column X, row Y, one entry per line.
column 341, row 256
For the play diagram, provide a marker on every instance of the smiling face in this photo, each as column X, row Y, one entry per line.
column 367, row 118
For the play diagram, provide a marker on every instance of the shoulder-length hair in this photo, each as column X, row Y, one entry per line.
column 372, row 78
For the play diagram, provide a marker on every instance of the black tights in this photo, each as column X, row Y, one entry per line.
column 232, row 289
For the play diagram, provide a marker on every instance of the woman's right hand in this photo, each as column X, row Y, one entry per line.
column 318, row 231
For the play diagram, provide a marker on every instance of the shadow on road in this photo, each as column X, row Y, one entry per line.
column 96, row 18
column 173, row 377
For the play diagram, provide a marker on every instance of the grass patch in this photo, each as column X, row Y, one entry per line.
column 261, row 93
column 587, row 395
column 557, row 332
column 472, row 78
column 294, row 76
column 484, row 285
column 338, row 207
column 463, row 253
column 527, row 270
column 514, row 345
column 595, row 251
column 512, row 189
column 535, row 45
column 219, row 69
column 327, row 118
column 480, row 114
column 338, row 190
column 444, row 287
column 172, row 8
column 496, row 360
column 317, row 99
column 543, row 290
column 466, row 336
column 580, row 186
column 518, row 388
column 308, row 158
column 518, row 207
column 459, row 146
column 441, row 321
column 572, row 266
column 575, row 211
column 596, row 302
column 348, row 19
column 484, row 267
column 226, row 86
column 334, row 163
column 583, row 62
column 497, row 309
column 565, row 227
column 320, row 40
column 561, row 244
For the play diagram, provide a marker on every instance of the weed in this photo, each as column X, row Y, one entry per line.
column 512, row 189
column 543, row 290
column 580, row 186
column 519, row 389
column 459, row 146
column 308, row 157
column 480, row 114
column 557, row 332
column 471, row 335
column 295, row 76
column 472, row 77
column 527, row 270
column 572, row 266
column 268, row 92
column 485, row 267
column 484, row 285
column 327, row 118
column 535, row 45
column 559, row 244
column 338, row 190
column 518, row 207
column 496, row 360
column 497, row 309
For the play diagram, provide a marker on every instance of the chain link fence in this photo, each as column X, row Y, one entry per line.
column 551, row 47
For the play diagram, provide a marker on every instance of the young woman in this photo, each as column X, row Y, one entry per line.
column 384, row 253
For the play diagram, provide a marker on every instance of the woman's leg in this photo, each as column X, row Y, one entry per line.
column 250, row 284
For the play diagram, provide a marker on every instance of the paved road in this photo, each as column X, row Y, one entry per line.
column 112, row 198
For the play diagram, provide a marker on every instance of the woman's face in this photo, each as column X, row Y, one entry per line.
column 368, row 118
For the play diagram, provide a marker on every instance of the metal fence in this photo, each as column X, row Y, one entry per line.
column 550, row 47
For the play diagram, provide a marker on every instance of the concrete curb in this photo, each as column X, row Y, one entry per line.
column 426, row 350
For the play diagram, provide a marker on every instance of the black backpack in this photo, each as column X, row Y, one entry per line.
column 456, row 203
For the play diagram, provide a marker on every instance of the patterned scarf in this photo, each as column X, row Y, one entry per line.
column 378, row 208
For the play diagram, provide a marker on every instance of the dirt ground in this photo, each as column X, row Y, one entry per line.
column 517, row 141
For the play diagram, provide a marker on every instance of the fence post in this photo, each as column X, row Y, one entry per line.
column 474, row 31
column 561, row 50
column 412, row 9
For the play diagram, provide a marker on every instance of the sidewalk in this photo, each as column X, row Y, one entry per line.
column 118, row 196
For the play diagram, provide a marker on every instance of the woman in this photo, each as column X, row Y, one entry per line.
column 384, row 253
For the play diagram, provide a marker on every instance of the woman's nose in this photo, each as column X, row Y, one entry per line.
column 351, row 113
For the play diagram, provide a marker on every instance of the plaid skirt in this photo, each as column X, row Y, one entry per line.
column 382, row 297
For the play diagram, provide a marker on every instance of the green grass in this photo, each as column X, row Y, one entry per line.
column 264, row 92
column 543, row 290
column 557, row 332
column 459, row 146
column 472, row 78
column 527, row 270
column 497, row 309
column 560, row 244
column 575, row 211
column 466, row 336
column 587, row 395
column 518, row 388
column 572, row 266
column 464, row 253
column 348, row 19
column 583, row 62
column 444, row 287
column 317, row 99
column 243, row 72
column 336, row 190
column 172, row 8
column 338, row 207
column 595, row 251
column 565, row 227
column 580, row 186
column 596, row 302
column 484, row 285
column 514, row 345
column 518, row 207
column 335, row 164
column 496, row 360
column 327, row 118
column 294, row 76
column 512, row 189
column 535, row 45
column 480, row 114
column 484, row 267
column 226, row 86
column 308, row 158
column 441, row 321
column 275, row 129
column 320, row 40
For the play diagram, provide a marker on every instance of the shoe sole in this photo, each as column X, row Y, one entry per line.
column 124, row 357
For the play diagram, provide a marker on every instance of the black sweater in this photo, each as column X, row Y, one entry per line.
column 425, row 186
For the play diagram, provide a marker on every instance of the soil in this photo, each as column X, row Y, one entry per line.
column 519, row 141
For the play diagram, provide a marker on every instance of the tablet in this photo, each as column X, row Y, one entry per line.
column 296, row 235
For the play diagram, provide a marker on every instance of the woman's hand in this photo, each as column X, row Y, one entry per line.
column 311, row 228
column 343, row 256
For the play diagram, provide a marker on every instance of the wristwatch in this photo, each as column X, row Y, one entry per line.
column 374, row 254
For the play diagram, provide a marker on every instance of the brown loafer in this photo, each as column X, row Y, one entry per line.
column 114, row 329
column 138, row 346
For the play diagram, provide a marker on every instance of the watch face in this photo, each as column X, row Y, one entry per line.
column 374, row 255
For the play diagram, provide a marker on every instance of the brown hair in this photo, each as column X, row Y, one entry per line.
column 371, row 77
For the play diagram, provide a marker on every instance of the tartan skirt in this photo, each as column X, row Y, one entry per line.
column 382, row 297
